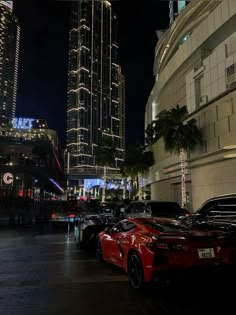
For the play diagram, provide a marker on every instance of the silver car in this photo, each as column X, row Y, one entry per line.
column 86, row 229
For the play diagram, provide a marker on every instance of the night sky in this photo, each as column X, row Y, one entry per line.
column 42, row 82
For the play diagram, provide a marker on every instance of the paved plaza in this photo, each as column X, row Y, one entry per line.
column 43, row 272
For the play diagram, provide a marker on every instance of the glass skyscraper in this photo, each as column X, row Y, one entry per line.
column 95, row 108
column 9, row 54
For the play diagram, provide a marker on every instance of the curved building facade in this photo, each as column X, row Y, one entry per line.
column 195, row 65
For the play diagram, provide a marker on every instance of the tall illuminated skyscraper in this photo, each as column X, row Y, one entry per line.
column 9, row 54
column 95, row 110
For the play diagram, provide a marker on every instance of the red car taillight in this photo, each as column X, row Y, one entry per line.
column 156, row 246
column 53, row 216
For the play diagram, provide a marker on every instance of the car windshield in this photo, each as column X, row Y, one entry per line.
column 168, row 227
column 166, row 208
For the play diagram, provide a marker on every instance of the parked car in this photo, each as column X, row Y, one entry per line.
column 86, row 229
column 105, row 208
column 119, row 209
column 114, row 216
column 146, row 248
column 109, row 218
column 154, row 208
column 218, row 210
column 89, row 224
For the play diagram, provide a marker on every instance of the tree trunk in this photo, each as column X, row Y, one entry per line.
column 104, row 183
column 130, row 184
column 140, row 190
column 183, row 184
column 124, row 188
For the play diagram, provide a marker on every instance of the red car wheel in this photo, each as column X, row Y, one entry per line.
column 135, row 271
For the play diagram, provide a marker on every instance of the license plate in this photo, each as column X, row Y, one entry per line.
column 206, row 253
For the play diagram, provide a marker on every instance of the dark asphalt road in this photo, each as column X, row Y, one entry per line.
column 43, row 272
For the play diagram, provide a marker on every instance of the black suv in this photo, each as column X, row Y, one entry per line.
column 221, row 208
column 154, row 208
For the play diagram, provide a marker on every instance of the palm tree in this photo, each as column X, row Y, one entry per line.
column 156, row 128
column 137, row 162
column 105, row 157
column 178, row 136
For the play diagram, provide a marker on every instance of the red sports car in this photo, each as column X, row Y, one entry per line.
column 144, row 247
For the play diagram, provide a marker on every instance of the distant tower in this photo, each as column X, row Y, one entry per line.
column 9, row 54
column 94, row 107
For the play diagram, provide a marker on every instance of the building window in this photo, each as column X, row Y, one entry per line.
column 230, row 76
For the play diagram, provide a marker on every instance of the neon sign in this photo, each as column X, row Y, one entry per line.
column 8, row 178
column 22, row 123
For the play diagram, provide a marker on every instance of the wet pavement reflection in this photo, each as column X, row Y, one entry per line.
column 43, row 272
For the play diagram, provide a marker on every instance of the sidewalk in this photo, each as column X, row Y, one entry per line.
column 43, row 272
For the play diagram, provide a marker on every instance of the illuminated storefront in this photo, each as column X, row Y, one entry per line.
column 31, row 163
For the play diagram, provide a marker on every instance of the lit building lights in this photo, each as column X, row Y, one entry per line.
column 9, row 58
column 95, row 100
column 7, row 3
column 183, row 180
column 57, row 185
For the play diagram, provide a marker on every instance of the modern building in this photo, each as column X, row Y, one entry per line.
column 195, row 65
column 31, row 164
column 95, row 109
column 9, row 54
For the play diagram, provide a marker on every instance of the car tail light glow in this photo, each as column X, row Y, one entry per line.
column 53, row 216
column 71, row 215
column 155, row 246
